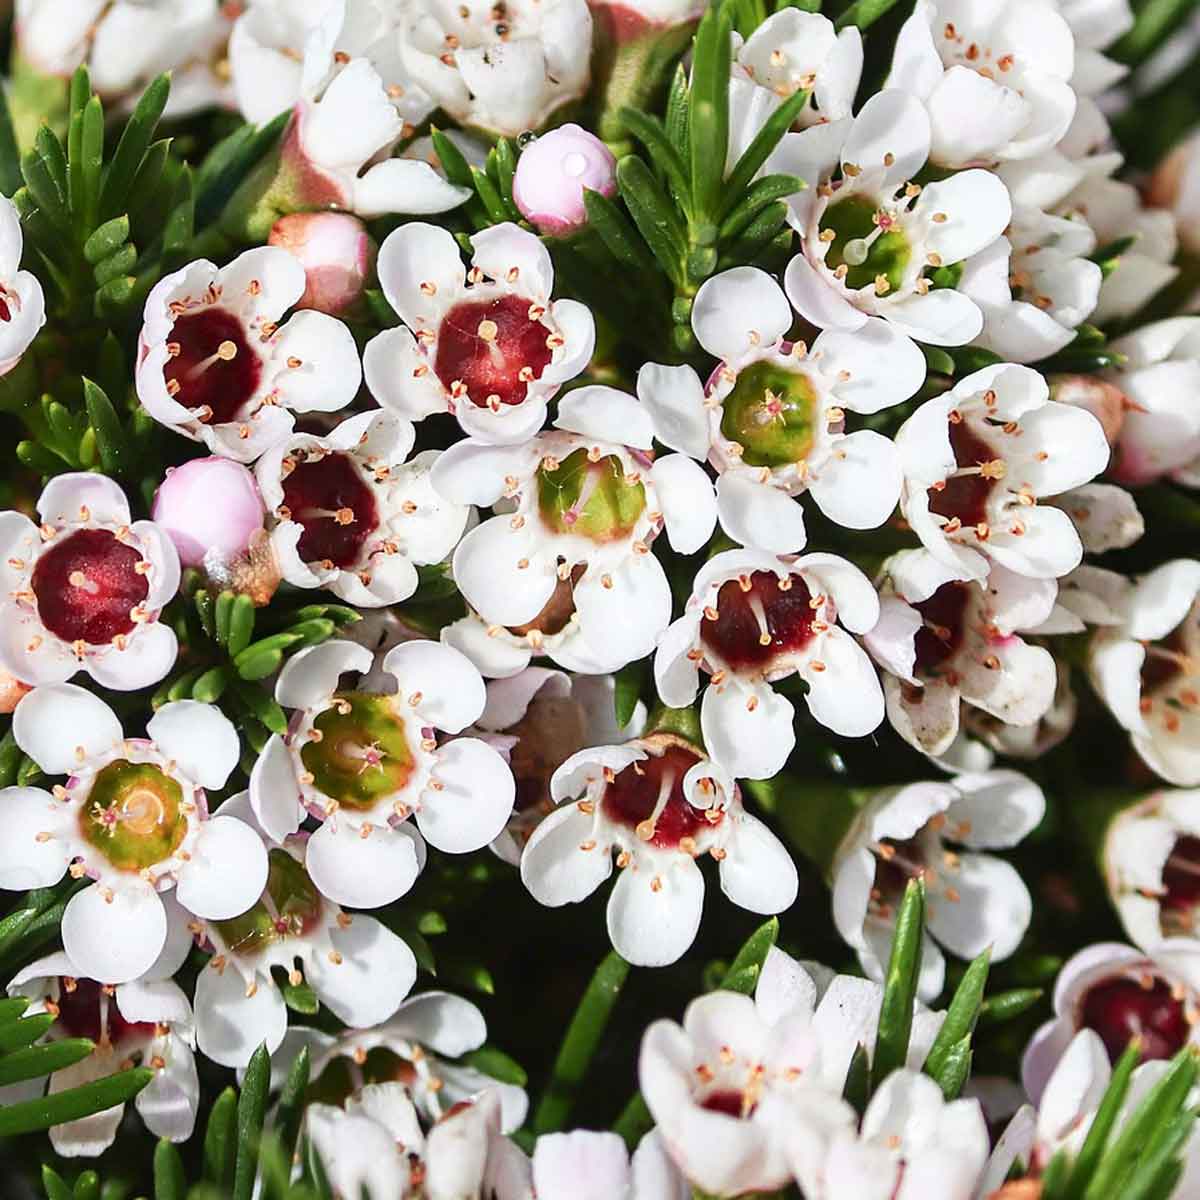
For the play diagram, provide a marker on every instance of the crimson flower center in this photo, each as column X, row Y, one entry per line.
column 896, row 863
column 1121, row 1008
column 1181, row 881
column 80, row 1006
column 647, row 797
column 87, row 585
column 728, row 1101
column 759, row 618
column 964, row 496
column 212, row 369
column 941, row 636
column 492, row 348
column 330, row 499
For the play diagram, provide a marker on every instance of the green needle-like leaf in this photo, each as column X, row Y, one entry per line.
column 654, row 215
column 960, row 1016
column 24, row 1032
column 1102, row 1123
column 627, row 690
column 33, row 1062
column 744, row 971
column 708, row 113
column 55, row 1185
column 74, row 1103
column 240, row 627
column 131, row 149
column 649, row 130
column 290, row 1112
column 220, row 1138
column 759, row 150
column 900, row 985
column 251, row 1112
column 170, row 1182
column 1005, row 1006
column 857, row 1089
column 864, row 13
column 618, row 235
column 111, row 440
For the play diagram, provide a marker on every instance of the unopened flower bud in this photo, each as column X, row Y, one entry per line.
column 210, row 508
column 337, row 255
column 11, row 691
column 1103, row 400
column 1175, row 185
column 553, row 172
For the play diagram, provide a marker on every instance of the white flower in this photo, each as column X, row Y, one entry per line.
column 1160, row 433
column 417, row 1045
column 488, row 345
column 147, row 1021
column 976, row 461
column 362, row 763
column 215, row 364
column 351, row 515
column 1034, row 286
column 359, row 969
column 1119, row 993
column 741, row 1080
column 577, row 509
column 772, row 419
column 790, row 51
column 1028, row 741
column 132, row 817
column 975, row 900
column 505, row 72
column 582, row 1165
column 83, row 589
column 658, row 803
column 872, row 238
column 22, row 303
column 538, row 718
column 753, row 619
column 376, row 1147
column 911, row 1144
column 994, row 77
column 945, row 642
column 1095, row 25
column 1147, row 670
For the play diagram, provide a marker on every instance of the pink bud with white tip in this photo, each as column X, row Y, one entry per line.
column 210, row 508
column 337, row 255
column 553, row 172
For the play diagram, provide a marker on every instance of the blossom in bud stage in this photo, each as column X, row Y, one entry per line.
column 975, row 900
column 416, row 1047
column 873, row 240
column 11, row 692
column 22, row 303
column 350, row 514
column 359, row 969
column 1160, row 378
column 488, row 345
column 1175, row 185
column 553, row 172
column 790, row 51
column 753, row 619
column 571, row 543
column 1147, row 670
column 337, row 255
column 942, row 642
column 210, row 508
column 132, row 817
column 1102, row 398
column 84, row 588
column 537, row 719
column 636, row 17
column 659, row 803
column 739, row 1089
column 215, row 365
column 772, row 419
column 993, row 78
column 977, row 460
column 363, row 763
column 146, row 1021
column 1119, row 993
column 503, row 71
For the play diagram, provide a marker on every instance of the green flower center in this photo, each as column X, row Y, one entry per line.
column 290, row 907
column 361, row 753
column 134, row 815
column 592, row 499
column 771, row 413
column 867, row 243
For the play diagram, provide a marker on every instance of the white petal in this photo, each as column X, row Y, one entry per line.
column 606, row 414
column 942, row 317
column 759, row 515
column 310, row 677
column 26, row 861
column 66, row 496
column 653, row 926
column 894, row 125
column 230, row 1025
column 494, row 657
column 377, row 970
column 860, row 490
column 404, row 185
column 88, row 1136
column 487, row 572
column 418, row 253
column 330, row 371
column 685, row 495
column 446, row 1024
column 977, row 210
column 118, row 940
column 876, row 366
column 554, row 867
column 578, row 327
column 169, row 1102
column 450, row 691
column 855, row 599
column 675, row 675
column 993, row 910
column 227, row 871
column 738, row 310
column 475, row 801
column 473, row 473
column 674, row 397
column 846, row 696
column 784, row 988
column 200, row 738
column 274, row 792
column 500, row 248
column 750, row 742
column 144, row 660
column 61, row 725
column 757, row 872
column 362, row 872
column 816, row 300
column 628, row 617
column 398, row 376
column 996, row 809
column 583, row 1164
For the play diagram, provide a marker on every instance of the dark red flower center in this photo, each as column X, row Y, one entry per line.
column 965, row 496
column 493, row 348
column 895, row 864
column 941, row 636
column 728, row 1101
column 1165, row 661
column 1121, row 1008
column 330, row 498
column 1181, row 881
column 212, row 365
column 86, row 584
column 5, row 311
column 758, row 618
column 79, row 1004
column 647, row 797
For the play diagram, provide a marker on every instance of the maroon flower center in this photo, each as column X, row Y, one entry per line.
column 1165, row 662
column 964, row 496
column 895, row 864
column 1181, row 883
column 647, row 797
column 728, row 1101
column 1122, row 1008
column 330, row 499
column 212, row 369
column 941, row 636
column 79, row 1009
column 5, row 311
column 87, row 585
column 758, row 618
column 493, row 348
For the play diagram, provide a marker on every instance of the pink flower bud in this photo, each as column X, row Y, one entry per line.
column 210, row 508
column 1103, row 400
column 336, row 252
column 552, row 173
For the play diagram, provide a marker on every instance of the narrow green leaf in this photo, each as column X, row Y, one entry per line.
column 74, row 1103
column 229, row 162
column 131, row 149
column 857, row 1089
column 634, row 1122
column 486, row 190
column 863, row 13
column 759, row 150
column 960, row 1016
column 937, row 360
column 111, row 442
column 1102, row 1123
column 180, row 224
column 241, row 624
column 456, row 167
column 761, row 193
column 299, row 997
column 653, row 213
column 676, row 123
column 1155, row 22
column 106, row 240
column 50, row 149
column 506, row 166
column 17, row 922
column 900, row 984
column 55, row 1185
column 616, row 232
column 262, row 705
column 115, row 297
column 580, row 1043
column 91, row 154
column 1158, row 1160
column 87, row 1186
column 181, row 688
column 170, row 1182
column 45, row 192
column 1005, row 1006
column 290, row 1112
column 497, row 1064
column 251, row 1112
column 955, row 1069
column 220, row 1138
column 210, row 686
column 708, row 112
column 33, row 1062
column 10, row 756
column 760, row 233
column 24, row 1032
column 627, row 690
column 649, row 130
column 746, row 967
column 222, row 613
column 312, row 632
